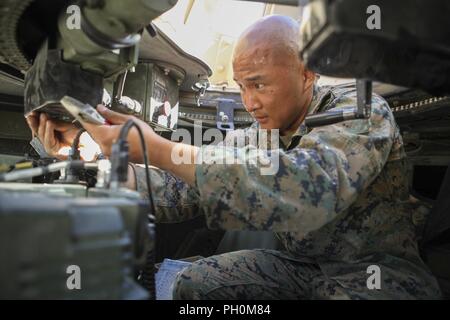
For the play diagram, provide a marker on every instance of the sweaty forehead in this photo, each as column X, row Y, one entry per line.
column 258, row 55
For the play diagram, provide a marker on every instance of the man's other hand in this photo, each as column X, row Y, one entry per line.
column 56, row 136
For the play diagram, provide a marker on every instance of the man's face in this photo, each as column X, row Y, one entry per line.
column 272, row 86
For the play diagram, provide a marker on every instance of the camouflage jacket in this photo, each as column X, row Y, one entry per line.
column 339, row 197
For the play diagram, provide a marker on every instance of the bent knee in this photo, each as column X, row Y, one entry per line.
column 189, row 284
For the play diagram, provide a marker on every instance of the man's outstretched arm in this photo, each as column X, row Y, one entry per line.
column 159, row 149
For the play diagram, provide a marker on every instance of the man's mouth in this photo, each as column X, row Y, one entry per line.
column 261, row 119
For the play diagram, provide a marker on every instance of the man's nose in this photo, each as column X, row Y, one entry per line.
column 251, row 103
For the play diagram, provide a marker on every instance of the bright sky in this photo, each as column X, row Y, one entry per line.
column 210, row 30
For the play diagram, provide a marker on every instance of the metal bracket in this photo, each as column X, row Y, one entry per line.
column 225, row 114
column 200, row 90
column 364, row 98
column 362, row 110
column 124, row 104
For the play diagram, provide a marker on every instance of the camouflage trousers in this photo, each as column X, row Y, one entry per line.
column 270, row 275
column 246, row 274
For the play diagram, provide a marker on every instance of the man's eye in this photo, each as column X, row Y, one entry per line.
column 259, row 86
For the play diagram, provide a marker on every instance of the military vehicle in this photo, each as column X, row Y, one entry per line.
column 58, row 216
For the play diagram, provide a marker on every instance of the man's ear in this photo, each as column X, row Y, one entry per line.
column 309, row 78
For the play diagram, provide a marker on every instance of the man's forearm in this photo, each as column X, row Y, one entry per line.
column 161, row 153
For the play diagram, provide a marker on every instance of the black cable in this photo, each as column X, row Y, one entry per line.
column 148, row 271
column 123, row 137
column 74, row 152
column 147, row 276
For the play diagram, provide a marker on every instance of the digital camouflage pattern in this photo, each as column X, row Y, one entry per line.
column 339, row 203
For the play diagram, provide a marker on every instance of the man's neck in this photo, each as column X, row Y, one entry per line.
column 296, row 124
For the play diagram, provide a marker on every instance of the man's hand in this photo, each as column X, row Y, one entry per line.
column 56, row 136
column 106, row 135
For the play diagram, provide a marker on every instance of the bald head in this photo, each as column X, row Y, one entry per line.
column 273, row 38
column 275, row 86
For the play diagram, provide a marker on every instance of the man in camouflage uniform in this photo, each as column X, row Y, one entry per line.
column 338, row 202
